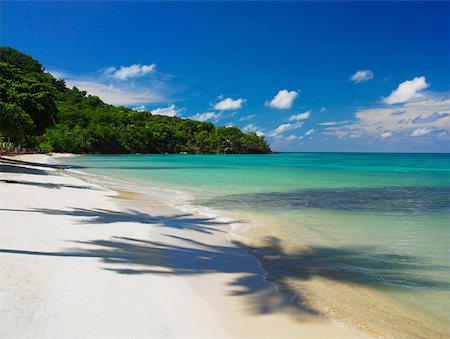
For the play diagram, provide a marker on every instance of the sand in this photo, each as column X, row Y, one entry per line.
column 81, row 260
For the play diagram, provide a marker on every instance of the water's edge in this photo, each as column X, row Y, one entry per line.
column 315, row 292
column 233, row 238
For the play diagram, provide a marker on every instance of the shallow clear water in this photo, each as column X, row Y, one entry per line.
column 378, row 221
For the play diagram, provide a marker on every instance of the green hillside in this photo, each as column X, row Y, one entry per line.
column 37, row 109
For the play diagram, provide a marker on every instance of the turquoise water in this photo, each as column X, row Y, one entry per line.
column 380, row 222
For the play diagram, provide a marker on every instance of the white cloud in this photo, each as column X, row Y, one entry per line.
column 406, row 91
column 428, row 116
column 228, row 103
column 206, row 116
column 343, row 131
column 127, row 72
column 248, row 117
column 301, row 116
column 109, row 71
column 291, row 137
column 58, row 74
column 361, row 76
column 421, row 131
column 117, row 95
column 170, row 111
column 284, row 99
column 428, row 113
column 285, row 127
column 252, row 128
column 249, row 128
column 334, row 123
column 311, row 131
column 140, row 108
column 340, row 132
column 323, row 109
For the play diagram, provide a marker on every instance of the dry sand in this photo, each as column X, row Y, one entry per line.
column 79, row 260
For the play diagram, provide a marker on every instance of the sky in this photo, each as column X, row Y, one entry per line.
column 309, row 76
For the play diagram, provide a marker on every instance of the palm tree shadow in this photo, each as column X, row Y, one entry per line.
column 17, row 162
column 184, row 221
column 188, row 257
column 7, row 168
column 45, row 184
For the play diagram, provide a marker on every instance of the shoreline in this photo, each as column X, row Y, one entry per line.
column 134, row 244
column 379, row 314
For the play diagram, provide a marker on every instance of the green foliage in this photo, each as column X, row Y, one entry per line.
column 14, row 121
column 22, row 61
column 35, row 105
column 27, row 100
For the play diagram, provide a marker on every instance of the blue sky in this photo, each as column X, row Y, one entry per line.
column 310, row 76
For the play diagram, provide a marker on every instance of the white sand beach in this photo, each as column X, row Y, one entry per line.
column 79, row 260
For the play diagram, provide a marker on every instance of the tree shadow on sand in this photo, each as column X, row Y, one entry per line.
column 7, row 168
column 9, row 165
column 45, row 184
column 17, row 162
column 188, row 257
column 184, row 221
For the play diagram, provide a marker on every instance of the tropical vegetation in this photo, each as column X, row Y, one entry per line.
column 38, row 109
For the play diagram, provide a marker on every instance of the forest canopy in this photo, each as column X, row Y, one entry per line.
column 37, row 109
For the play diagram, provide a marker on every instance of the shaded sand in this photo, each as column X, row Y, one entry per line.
column 79, row 260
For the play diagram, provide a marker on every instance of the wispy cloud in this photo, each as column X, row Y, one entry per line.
column 407, row 117
column 301, row 116
column 428, row 116
column 140, row 108
column 253, row 128
column 285, row 127
column 229, row 104
column 118, row 93
column 248, row 117
column 342, row 131
column 309, row 132
column 361, row 76
column 206, row 116
column 407, row 91
column 58, row 74
column 170, row 111
column 283, row 100
column 421, row 131
column 127, row 72
column 386, row 135
column 334, row 123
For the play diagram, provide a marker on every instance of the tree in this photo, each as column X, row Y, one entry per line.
column 22, row 61
column 27, row 104
column 14, row 122
column 36, row 106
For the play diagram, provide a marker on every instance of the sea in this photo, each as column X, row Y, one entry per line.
column 363, row 238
